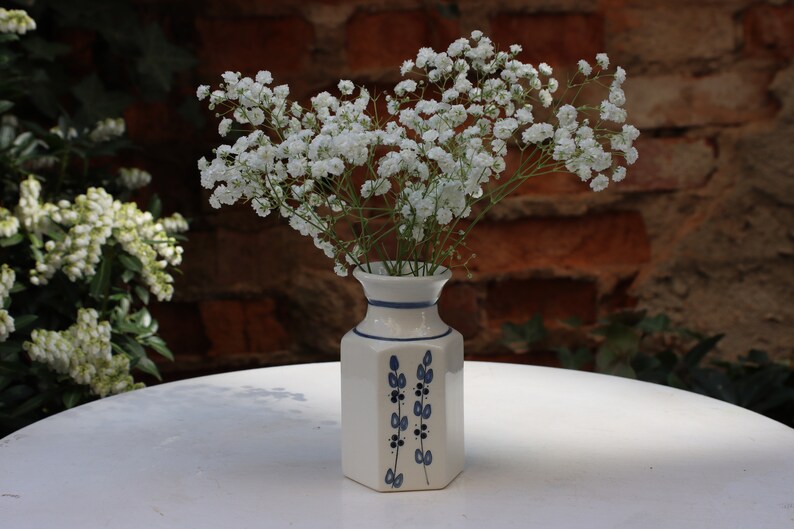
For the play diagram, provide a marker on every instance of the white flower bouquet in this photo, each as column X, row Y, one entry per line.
column 407, row 187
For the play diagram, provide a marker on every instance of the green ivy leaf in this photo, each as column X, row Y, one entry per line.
column 97, row 102
column 160, row 59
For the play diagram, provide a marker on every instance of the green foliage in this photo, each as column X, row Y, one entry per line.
column 649, row 348
column 55, row 107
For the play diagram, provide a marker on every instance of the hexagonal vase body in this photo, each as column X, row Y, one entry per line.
column 402, row 387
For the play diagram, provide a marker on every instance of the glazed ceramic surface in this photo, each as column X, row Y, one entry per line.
column 402, row 387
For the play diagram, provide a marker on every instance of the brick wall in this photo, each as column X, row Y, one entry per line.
column 702, row 229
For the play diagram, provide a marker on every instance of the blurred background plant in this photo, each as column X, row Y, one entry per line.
column 645, row 347
column 80, row 260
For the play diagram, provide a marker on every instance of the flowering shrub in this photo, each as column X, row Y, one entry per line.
column 78, row 261
column 427, row 172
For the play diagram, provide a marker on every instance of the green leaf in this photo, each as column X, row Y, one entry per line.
column 147, row 366
column 97, row 102
column 159, row 345
column 693, row 357
column 578, row 359
column 72, row 398
column 160, row 59
column 33, row 403
column 131, row 263
column 20, row 322
column 5, row 242
column 5, row 105
column 155, row 206
column 658, row 323
column 132, row 347
column 41, row 49
column 101, row 280
column 142, row 293
column 127, row 275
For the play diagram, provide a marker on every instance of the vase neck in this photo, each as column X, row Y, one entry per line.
column 402, row 323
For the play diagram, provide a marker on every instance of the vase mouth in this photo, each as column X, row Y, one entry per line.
column 376, row 271
column 401, row 292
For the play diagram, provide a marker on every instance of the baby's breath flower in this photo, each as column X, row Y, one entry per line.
column 602, row 60
column 406, row 67
column 599, row 183
column 346, row 87
column 585, row 67
column 202, row 92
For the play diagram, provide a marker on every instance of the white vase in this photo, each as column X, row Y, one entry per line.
column 402, row 387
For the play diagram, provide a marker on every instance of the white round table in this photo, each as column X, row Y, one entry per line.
column 545, row 448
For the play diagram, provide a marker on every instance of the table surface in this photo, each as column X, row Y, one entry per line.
column 545, row 448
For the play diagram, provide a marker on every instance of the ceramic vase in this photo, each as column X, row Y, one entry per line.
column 402, row 386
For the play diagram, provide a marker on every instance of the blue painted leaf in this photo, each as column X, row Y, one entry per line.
column 428, row 457
column 394, row 364
column 404, row 423
column 426, row 412
column 420, row 372
column 398, row 481
column 418, row 456
column 428, row 358
column 395, row 420
column 392, row 380
column 401, row 381
column 429, row 376
column 417, row 408
column 389, row 477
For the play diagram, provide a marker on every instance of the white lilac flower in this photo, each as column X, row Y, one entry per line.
column 107, row 129
column 602, row 59
column 585, row 68
column 15, row 21
column 83, row 352
column 9, row 224
column 6, row 325
column 133, row 178
column 599, row 183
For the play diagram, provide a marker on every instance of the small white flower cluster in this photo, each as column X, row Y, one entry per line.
column 92, row 220
column 83, row 352
column 133, row 178
column 9, row 224
column 15, row 21
column 107, row 129
column 429, row 163
column 7, row 278
column 149, row 241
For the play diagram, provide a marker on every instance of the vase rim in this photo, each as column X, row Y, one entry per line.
column 379, row 274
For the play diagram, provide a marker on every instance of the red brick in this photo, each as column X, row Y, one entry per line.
column 590, row 243
column 558, row 39
column 558, row 183
column 460, row 308
column 769, row 29
column 517, row 300
column 669, row 34
column 243, row 326
column 278, row 44
column 667, row 164
column 724, row 98
column 383, row 40
column 153, row 122
column 181, row 328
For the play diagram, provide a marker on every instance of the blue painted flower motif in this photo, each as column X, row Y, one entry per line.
column 398, row 421
column 423, row 411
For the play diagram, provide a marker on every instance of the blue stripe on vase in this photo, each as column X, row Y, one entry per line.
column 418, row 338
column 401, row 304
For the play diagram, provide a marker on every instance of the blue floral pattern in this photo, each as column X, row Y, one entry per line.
column 423, row 410
column 399, row 422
